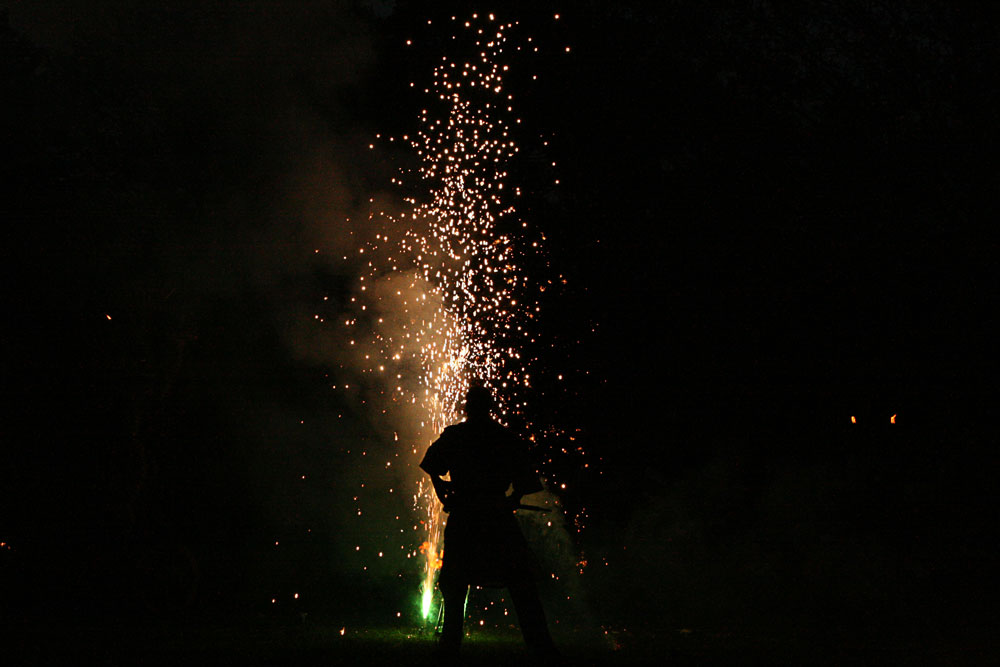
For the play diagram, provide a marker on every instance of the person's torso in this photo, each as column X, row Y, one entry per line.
column 482, row 459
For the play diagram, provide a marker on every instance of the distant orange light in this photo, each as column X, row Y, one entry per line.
column 854, row 420
column 892, row 419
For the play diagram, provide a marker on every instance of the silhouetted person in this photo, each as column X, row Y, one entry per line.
column 483, row 544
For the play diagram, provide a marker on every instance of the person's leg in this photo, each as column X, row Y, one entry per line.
column 454, row 615
column 531, row 616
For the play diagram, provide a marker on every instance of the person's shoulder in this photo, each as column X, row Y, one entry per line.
column 454, row 429
column 506, row 435
column 453, row 432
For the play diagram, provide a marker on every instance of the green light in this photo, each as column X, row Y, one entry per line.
column 425, row 603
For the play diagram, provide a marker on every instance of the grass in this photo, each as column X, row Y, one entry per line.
column 321, row 643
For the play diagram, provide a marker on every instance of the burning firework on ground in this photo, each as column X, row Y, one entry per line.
column 445, row 299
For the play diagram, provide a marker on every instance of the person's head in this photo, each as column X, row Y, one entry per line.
column 478, row 403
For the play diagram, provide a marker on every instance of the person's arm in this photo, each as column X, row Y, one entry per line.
column 525, row 486
column 443, row 490
column 434, row 466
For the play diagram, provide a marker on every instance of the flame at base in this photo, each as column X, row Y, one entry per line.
column 425, row 603
column 430, row 549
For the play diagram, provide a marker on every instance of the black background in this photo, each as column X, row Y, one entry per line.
column 770, row 219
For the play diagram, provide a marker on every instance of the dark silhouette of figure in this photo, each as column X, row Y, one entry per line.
column 483, row 544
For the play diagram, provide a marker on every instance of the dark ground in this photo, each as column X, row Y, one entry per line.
column 317, row 643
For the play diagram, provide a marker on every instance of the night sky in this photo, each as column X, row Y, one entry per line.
column 770, row 219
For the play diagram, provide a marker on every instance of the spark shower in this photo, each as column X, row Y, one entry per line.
column 445, row 299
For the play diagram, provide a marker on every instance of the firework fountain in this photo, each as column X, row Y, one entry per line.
column 445, row 299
